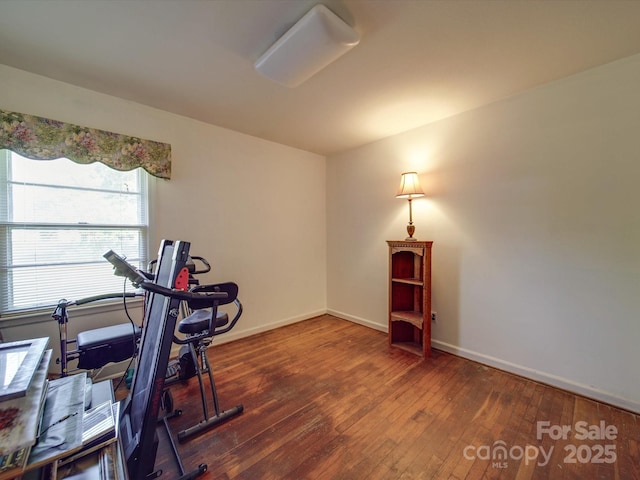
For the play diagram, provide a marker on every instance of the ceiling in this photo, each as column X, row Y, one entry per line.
column 418, row 61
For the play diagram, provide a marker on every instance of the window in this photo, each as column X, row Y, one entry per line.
column 57, row 219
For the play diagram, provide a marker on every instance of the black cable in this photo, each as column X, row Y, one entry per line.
column 124, row 303
column 135, row 342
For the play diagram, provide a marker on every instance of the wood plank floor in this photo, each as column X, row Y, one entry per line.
column 327, row 399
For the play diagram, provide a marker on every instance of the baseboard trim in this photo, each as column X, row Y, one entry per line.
column 526, row 372
column 269, row 326
column 539, row 376
column 233, row 336
column 532, row 374
column 358, row 320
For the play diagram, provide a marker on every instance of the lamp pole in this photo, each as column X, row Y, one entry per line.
column 410, row 228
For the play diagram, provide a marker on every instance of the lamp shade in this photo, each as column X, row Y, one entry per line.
column 316, row 40
column 409, row 186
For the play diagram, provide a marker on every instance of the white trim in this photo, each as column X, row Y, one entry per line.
column 529, row 373
column 230, row 337
column 358, row 320
column 543, row 377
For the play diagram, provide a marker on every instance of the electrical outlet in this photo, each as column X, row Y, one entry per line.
column 433, row 316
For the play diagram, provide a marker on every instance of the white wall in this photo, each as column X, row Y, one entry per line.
column 255, row 209
column 532, row 204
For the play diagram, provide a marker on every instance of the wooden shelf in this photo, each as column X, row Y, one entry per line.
column 409, row 281
column 410, row 347
column 410, row 296
column 414, row 318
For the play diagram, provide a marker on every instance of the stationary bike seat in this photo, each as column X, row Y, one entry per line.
column 198, row 321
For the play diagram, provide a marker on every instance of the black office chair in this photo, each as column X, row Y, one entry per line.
column 201, row 325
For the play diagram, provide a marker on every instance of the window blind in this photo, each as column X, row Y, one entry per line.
column 57, row 219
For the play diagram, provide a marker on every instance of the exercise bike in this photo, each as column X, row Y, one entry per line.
column 183, row 368
column 200, row 323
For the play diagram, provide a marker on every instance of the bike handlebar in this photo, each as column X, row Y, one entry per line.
column 140, row 279
column 63, row 303
column 105, row 296
column 208, row 299
column 191, row 266
column 211, row 297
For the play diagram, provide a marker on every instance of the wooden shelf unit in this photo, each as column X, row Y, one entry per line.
column 410, row 296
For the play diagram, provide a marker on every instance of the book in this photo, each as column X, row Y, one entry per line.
column 98, row 425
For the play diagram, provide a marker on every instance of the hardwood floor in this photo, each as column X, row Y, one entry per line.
column 327, row 399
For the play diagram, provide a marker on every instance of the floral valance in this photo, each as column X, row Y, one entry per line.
column 43, row 139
